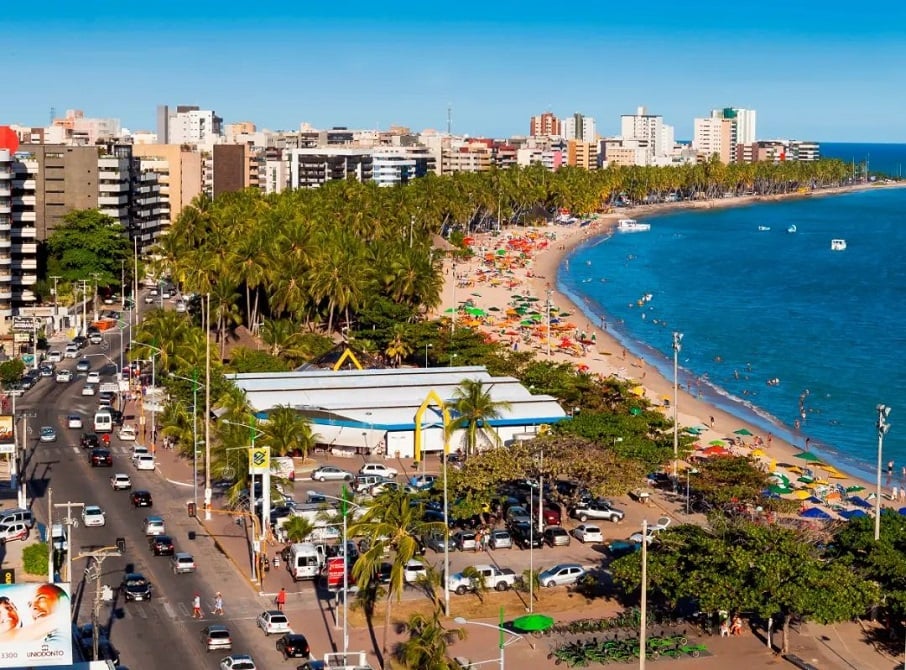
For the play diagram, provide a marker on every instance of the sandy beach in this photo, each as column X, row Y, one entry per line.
column 520, row 264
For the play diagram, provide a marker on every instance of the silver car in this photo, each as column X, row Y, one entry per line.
column 326, row 472
column 500, row 539
column 559, row 575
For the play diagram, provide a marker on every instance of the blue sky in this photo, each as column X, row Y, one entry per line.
column 824, row 72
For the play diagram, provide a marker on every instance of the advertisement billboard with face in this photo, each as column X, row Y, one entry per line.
column 35, row 628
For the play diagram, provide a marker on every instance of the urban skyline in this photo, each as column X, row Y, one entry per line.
column 825, row 76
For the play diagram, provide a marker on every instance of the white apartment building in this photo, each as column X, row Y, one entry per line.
column 745, row 123
column 6, row 222
column 113, row 188
column 190, row 125
column 310, row 168
column 722, row 131
column 649, row 130
column 579, row 127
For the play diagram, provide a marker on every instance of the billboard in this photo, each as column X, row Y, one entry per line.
column 35, row 628
column 259, row 460
column 6, row 429
column 335, row 571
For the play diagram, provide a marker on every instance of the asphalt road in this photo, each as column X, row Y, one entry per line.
column 159, row 633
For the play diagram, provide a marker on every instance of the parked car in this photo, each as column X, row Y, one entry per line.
column 437, row 541
column 525, row 535
column 120, row 482
column 500, row 539
column 465, row 540
column 141, row 499
column 587, row 532
column 551, row 514
column 135, row 587
column 423, row 482
column 378, row 469
column 182, row 563
column 293, row 645
column 54, row 356
column 560, row 575
column 597, row 509
column 329, row 472
column 413, row 571
column 13, row 531
column 92, row 515
column 273, row 621
column 216, row 637
column 556, row 536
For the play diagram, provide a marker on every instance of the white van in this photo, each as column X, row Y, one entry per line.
column 103, row 422
column 304, row 561
column 58, row 537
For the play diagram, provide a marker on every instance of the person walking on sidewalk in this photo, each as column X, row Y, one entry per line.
column 218, row 604
column 281, row 599
column 196, row 607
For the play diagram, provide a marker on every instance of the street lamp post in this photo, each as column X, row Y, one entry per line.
column 502, row 644
column 195, row 442
column 643, row 644
column 427, row 346
column 548, row 323
column 677, row 346
column 345, row 503
column 689, row 471
column 883, row 427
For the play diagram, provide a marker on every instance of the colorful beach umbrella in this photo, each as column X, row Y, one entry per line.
column 742, row 431
column 533, row 622
column 808, row 456
column 854, row 489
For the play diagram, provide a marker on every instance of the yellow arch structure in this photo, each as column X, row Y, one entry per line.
column 347, row 355
column 431, row 399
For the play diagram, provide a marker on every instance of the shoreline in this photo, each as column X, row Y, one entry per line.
column 608, row 356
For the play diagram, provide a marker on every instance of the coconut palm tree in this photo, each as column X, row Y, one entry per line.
column 473, row 408
column 287, row 432
column 297, row 528
column 391, row 522
column 428, row 642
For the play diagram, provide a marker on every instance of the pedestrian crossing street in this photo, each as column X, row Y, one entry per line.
column 241, row 609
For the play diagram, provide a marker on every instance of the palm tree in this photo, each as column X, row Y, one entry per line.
column 428, row 642
column 287, row 432
column 297, row 528
column 474, row 407
column 398, row 347
column 391, row 522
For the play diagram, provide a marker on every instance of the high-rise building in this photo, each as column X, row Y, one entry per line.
column 163, row 124
column 178, row 171
column 650, row 131
column 545, row 125
column 6, row 241
column 722, row 131
column 579, row 127
column 582, row 154
column 191, row 125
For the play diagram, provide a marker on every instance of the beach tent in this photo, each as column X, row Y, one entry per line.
column 860, row 502
column 852, row 513
column 902, row 511
column 815, row 513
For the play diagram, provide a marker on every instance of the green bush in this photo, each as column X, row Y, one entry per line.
column 34, row 558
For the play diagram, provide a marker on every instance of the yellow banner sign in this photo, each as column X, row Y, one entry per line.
column 259, row 460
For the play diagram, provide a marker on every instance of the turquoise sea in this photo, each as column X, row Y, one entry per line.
column 761, row 305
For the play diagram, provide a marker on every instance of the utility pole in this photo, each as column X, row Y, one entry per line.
column 94, row 298
column 207, row 411
column 56, row 325
column 94, row 572
column 49, row 542
column 69, row 522
column 135, row 283
column 84, row 306
column 122, row 284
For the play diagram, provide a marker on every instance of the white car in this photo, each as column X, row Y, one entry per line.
column 413, row 571
column 94, row 377
column 64, row 376
column 74, row 421
column 378, row 469
column 153, row 526
column 238, row 662
column 143, row 462
column 587, row 532
column 126, row 433
column 273, row 621
column 89, row 389
column 72, row 351
column 326, row 472
column 92, row 515
column 54, row 356
column 121, row 482
column 139, row 450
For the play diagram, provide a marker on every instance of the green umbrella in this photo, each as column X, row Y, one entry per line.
column 635, row 411
column 477, row 295
column 808, row 456
column 780, row 490
column 532, row 298
column 533, row 622
column 565, row 314
column 716, row 443
column 742, row 431
column 476, row 311
column 854, row 489
column 449, row 310
column 493, row 309
column 527, row 322
column 501, row 252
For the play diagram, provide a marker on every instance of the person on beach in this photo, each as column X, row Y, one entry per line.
column 889, row 468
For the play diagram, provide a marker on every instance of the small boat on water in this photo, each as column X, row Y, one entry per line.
column 838, row 245
column 791, row 229
column 763, row 228
column 632, row 226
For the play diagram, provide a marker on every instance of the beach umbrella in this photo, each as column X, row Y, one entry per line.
column 477, row 295
column 476, row 311
column 860, row 502
column 801, row 494
column 533, row 622
column 855, row 513
column 716, row 443
column 902, row 511
column 493, row 309
column 527, row 322
column 449, row 310
column 742, row 431
column 757, row 453
column 854, row 489
column 808, row 456
column 501, row 252
column 815, row 513
column 779, row 490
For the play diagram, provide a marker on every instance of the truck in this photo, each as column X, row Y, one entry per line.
column 499, row 579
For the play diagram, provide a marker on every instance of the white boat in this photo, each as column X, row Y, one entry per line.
column 838, row 245
column 763, row 228
column 791, row 229
column 632, row 226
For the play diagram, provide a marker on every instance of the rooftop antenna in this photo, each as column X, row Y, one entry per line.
column 53, row 114
column 449, row 118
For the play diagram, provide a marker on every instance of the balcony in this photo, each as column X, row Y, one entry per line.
column 27, row 264
column 6, row 294
column 24, row 249
column 26, row 280
column 113, row 187
column 29, row 185
column 23, row 200
column 5, row 225
column 5, row 173
column 6, row 259
column 28, row 232
column 23, row 216
column 113, row 200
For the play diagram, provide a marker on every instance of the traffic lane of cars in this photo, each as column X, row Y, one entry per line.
column 155, row 633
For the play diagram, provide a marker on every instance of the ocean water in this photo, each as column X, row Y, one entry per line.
column 755, row 306
column 889, row 159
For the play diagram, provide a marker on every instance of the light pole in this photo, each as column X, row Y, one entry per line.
column 689, row 471
column 643, row 644
column 502, row 644
column 254, row 434
column 195, row 442
column 155, row 352
column 883, row 427
column 55, row 278
column 677, row 346
column 345, row 503
column 427, row 346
